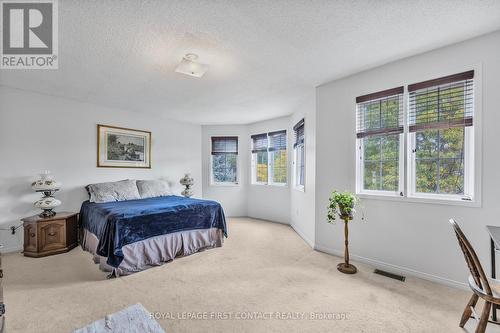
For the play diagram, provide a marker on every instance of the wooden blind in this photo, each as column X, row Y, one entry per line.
column 380, row 113
column 259, row 142
column 277, row 140
column 224, row 145
column 298, row 131
column 442, row 103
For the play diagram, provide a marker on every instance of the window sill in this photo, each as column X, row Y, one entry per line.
column 436, row 201
column 225, row 184
column 270, row 185
column 278, row 185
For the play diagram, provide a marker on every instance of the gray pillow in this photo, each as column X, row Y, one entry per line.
column 153, row 188
column 114, row 191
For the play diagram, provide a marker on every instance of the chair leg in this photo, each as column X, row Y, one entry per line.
column 468, row 311
column 481, row 327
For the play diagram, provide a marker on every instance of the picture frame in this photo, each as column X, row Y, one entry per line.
column 119, row 147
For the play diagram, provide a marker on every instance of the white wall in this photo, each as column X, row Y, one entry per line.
column 274, row 203
column 270, row 202
column 409, row 237
column 302, row 203
column 41, row 132
column 258, row 201
column 232, row 197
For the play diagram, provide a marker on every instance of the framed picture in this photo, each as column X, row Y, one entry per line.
column 119, row 147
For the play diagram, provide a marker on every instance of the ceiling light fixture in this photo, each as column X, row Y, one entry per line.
column 190, row 66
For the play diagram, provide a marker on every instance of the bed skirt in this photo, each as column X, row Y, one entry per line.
column 155, row 251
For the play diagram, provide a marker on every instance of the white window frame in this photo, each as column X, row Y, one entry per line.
column 468, row 170
column 211, row 163
column 269, row 168
column 472, row 156
column 360, row 163
column 254, row 170
column 360, row 171
column 299, row 187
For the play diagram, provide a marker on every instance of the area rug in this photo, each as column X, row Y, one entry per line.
column 134, row 319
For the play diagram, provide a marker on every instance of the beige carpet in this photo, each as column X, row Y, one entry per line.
column 264, row 269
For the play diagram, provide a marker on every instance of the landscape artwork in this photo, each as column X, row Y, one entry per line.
column 123, row 147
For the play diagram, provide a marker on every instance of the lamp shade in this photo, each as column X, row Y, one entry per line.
column 47, row 203
column 187, row 180
column 46, row 182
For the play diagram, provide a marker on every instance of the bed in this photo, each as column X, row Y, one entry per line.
column 133, row 235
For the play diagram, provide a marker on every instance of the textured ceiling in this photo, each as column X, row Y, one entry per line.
column 265, row 57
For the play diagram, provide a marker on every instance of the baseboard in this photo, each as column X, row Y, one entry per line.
column 302, row 235
column 395, row 268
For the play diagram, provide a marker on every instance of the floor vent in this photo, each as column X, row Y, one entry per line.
column 390, row 275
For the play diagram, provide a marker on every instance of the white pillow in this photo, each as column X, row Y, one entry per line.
column 113, row 191
column 153, row 188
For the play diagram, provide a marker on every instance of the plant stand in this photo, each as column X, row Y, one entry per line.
column 345, row 267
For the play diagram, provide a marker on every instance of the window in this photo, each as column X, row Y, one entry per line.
column 439, row 133
column 269, row 158
column 277, row 158
column 259, row 159
column 299, row 155
column 224, row 160
column 440, row 117
column 379, row 133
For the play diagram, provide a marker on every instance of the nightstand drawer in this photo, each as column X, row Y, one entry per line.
column 52, row 235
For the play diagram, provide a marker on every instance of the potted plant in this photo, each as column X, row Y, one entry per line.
column 343, row 204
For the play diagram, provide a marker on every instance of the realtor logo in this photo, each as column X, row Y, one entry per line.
column 29, row 34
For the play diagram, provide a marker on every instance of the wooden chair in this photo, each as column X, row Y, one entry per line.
column 482, row 286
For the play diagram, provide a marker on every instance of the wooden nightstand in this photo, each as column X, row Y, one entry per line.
column 53, row 235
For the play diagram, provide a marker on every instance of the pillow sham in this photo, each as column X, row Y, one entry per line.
column 114, row 191
column 153, row 188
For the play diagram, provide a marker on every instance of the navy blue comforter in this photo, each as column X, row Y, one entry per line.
column 117, row 224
